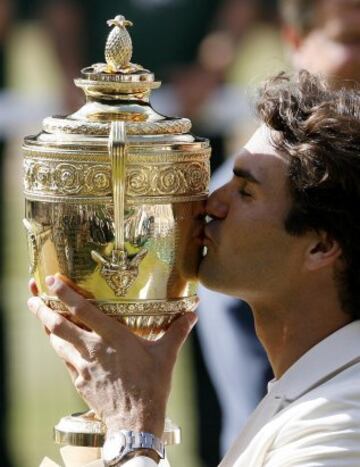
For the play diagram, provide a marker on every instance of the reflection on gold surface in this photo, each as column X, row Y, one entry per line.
column 65, row 236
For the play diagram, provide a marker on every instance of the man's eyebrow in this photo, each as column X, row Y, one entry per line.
column 243, row 173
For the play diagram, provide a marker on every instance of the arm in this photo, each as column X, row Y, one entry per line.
column 326, row 436
column 326, row 454
column 125, row 379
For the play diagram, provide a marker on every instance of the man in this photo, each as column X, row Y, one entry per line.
column 322, row 36
column 283, row 236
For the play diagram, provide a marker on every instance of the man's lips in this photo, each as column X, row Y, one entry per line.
column 198, row 232
column 199, row 239
column 207, row 239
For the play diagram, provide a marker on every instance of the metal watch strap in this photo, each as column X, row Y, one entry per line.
column 130, row 441
column 143, row 440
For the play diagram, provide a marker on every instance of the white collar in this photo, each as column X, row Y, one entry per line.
column 327, row 358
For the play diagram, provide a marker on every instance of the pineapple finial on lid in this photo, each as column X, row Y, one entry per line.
column 118, row 49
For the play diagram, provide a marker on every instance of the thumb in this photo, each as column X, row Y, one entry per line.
column 177, row 334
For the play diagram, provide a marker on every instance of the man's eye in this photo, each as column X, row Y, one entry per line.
column 244, row 193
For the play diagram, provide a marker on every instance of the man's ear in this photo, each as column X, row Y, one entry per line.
column 323, row 252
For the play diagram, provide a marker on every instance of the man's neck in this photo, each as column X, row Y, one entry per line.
column 288, row 331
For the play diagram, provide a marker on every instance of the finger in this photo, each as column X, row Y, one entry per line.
column 82, row 310
column 176, row 335
column 67, row 352
column 74, row 286
column 72, row 371
column 57, row 324
column 76, row 365
column 33, row 288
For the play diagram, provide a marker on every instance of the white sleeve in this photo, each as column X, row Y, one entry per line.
column 142, row 461
column 318, row 445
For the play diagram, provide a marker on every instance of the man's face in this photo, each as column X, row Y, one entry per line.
column 332, row 47
column 248, row 250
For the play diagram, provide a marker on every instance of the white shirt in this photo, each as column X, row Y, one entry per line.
column 310, row 416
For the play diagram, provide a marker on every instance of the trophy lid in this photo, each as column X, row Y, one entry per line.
column 115, row 90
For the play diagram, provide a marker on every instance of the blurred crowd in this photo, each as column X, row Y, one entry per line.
column 210, row 55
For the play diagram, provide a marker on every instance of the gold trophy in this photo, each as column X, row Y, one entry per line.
column 114, row 201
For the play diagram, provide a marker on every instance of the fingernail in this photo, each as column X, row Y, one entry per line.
column 49, row 281
column 33, row 303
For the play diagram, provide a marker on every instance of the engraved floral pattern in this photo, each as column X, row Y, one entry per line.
column 197, row 177
column 170, row 180
column 148, row 318
column 67, row 178
column 98, row 178
column 141, row 308
column 138, row 180
column 41, row 176
column 50, row 177
column 176, row 179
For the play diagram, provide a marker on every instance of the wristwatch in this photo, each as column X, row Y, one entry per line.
column 121, row 443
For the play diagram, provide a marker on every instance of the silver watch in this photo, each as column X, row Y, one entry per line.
column 120, row 443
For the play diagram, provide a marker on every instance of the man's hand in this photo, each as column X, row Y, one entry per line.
column 125, row 379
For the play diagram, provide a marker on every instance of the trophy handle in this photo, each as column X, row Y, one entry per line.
column 119, row 271
column 118, row 155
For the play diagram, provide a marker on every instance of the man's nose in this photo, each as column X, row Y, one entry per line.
column 217, row 205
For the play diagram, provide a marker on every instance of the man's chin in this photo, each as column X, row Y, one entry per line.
column 206, row 276
column 214, row 277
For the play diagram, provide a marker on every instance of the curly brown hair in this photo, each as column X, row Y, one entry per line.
column 318, row 129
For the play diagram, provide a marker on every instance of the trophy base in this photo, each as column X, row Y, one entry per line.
column 86, row 430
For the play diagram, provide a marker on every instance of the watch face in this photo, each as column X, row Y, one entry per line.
column 114, row 446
